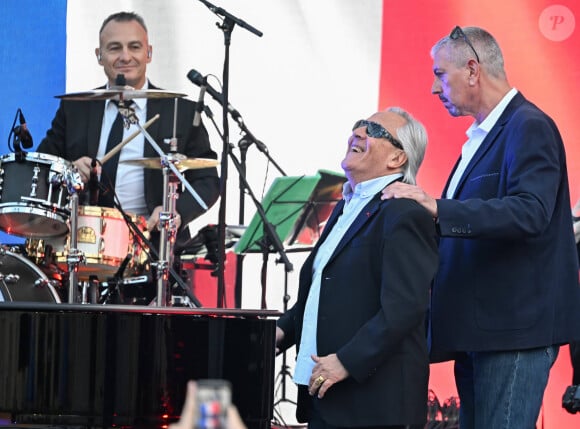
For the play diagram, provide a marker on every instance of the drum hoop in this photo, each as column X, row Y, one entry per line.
column 44, row 158
column 37, row 270
column 52, row 211
column 97, row 211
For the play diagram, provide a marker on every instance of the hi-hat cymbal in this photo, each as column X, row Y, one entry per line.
column 119, row 93
column 180, row 161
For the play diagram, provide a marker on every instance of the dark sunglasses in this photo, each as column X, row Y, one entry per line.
column 377, row 131
column 458, row 33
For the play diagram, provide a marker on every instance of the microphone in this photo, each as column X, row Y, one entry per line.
column 21, row 131
column 93, row 184
column 197, row 79
column 120, row 80
column 199, row 105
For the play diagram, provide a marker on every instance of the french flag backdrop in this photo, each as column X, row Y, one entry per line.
column 319, row 66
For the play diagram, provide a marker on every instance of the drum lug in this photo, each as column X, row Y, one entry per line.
column 42, row 283
column 9, row 278
column 36, row 171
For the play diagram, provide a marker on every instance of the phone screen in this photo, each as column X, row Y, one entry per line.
column 213, row 399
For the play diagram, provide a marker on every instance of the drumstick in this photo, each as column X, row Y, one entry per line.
column 117, row 148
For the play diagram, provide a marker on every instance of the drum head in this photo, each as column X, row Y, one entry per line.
column 32, row 221
column 23, row 281
column 33, row 198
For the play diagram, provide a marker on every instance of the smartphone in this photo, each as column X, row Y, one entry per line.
column 214, row 396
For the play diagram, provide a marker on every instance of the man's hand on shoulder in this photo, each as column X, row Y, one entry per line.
column 404, row 190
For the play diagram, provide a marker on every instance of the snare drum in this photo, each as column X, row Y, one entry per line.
column 21, row 280
column 33, row 198
column 105, row 240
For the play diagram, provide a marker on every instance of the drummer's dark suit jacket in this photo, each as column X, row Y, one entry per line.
column 373, row 304
column 76, row 130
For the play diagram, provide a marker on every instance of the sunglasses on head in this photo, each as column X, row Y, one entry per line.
column 457, row 33
column 377, row 131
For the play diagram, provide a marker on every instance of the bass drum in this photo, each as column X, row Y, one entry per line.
column 21, row 280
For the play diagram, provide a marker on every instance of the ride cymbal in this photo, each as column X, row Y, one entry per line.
column 119, row 93
column 180, row 161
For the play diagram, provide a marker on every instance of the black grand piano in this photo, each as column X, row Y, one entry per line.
column 117, row 366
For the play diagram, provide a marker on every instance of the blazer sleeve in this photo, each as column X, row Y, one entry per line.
column 54, row 141
column 512, row 193
column 204, row 181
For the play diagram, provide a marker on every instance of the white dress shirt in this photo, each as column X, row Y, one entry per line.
column 129, row 183
column 356, row 200
column 476, row 133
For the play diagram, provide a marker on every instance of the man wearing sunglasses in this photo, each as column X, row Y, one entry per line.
column 506, row 294
column 359, row 319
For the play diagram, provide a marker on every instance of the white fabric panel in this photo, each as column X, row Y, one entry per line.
column 299, row 87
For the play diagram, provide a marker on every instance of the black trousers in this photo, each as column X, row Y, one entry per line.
column 316, row 422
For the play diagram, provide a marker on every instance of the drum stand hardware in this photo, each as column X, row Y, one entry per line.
column 169, row 213
column 75, row 256
column 173, row 161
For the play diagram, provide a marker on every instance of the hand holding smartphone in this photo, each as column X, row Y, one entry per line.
column 213, row 400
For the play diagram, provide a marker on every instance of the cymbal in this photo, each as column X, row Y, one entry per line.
column 179, row 160
column 119, row 93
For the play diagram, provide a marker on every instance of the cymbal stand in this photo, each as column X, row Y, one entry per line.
column 168, row 231
column 153, row 253
column 167, row 217
column 75, row 256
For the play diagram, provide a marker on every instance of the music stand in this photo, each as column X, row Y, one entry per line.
column 298, row 207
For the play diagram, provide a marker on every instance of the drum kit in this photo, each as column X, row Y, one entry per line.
column 71, row 248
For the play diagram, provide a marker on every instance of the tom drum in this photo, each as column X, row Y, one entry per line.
column 33, row 198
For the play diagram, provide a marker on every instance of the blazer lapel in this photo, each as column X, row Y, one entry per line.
column 363, row 217
column 444, row 193
column 489, row 139
column 153, row 107
column 96, row 113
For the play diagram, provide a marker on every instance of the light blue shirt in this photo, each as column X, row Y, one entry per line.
column 475, row 135
column 355, row 200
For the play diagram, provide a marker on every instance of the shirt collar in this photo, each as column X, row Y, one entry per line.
column 494, row 115
column 368, row 188
column 141, row 103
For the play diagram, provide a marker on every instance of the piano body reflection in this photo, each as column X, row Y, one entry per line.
column 94, row 366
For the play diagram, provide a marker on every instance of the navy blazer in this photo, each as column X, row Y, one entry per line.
column 373, row 302
column 508, row 275
column 76, row 131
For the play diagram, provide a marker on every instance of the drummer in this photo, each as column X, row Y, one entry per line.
column 83, row 130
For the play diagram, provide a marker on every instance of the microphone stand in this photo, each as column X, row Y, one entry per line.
column 244, row 144
column 271, row 238
column 227, row 26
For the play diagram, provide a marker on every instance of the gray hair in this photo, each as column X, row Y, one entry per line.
column 124, row 17
column 487, row 48
column 413, row 137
